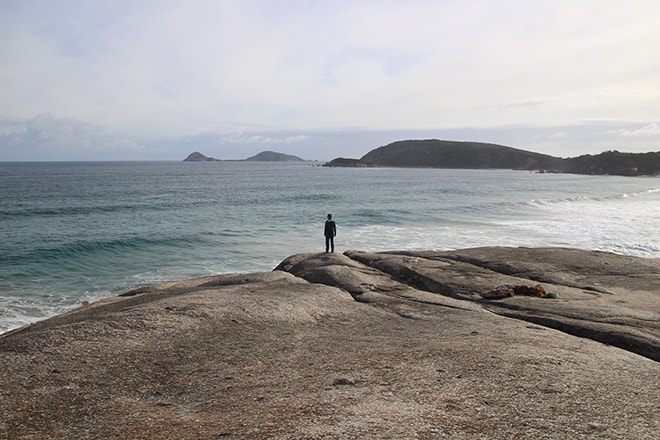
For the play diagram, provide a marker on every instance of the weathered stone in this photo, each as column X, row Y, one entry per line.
column 361, row 345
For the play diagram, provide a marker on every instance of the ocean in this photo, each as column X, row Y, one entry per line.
column 72, row 233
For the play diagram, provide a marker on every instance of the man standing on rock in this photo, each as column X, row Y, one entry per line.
column 330, row 232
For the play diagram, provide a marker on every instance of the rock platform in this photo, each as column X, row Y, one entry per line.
column 401, row 345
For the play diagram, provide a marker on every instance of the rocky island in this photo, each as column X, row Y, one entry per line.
column 493, row 343
column 264, row 156
column 196, row 156
column 273, row 156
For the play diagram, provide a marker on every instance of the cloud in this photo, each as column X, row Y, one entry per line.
column 647, row 130
column 259, row 139
column 46, row 137
column 171, row 70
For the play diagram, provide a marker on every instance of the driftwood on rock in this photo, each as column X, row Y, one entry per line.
column 359, row 345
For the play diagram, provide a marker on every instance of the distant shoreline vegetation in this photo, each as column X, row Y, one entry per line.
column 432, row 153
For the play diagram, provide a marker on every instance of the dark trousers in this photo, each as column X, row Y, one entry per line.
column 329, row 243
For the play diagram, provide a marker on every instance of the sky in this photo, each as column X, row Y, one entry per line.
column 320, row 79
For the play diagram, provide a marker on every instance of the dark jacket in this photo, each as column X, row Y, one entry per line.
column 330, row 228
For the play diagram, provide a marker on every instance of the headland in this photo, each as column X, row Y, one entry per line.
column 434, row 153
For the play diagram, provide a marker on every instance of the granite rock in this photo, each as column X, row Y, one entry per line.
column 360, row 345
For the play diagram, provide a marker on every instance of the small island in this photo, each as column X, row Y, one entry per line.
column 199, row 157
column 272, row 156
column 264, row 156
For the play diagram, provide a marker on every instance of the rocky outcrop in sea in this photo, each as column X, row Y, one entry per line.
column 475, row 343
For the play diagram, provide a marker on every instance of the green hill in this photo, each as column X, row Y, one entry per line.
column 432, row 153
column 616, row 163
column 449, row 154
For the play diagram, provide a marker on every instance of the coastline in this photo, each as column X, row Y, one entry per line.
column 74, row 241
column 400, row 344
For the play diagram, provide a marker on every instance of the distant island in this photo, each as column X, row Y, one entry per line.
column 264, row 156
column 199, row 157
column 433, row 153
column 272, row 156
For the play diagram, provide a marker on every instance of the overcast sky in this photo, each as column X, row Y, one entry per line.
column 158, row 79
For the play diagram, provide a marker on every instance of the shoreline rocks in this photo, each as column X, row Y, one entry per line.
column 353, row 345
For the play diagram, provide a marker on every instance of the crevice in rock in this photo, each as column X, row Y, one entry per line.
column 507, row 269
column 591, row 330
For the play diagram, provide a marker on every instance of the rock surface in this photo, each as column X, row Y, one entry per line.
column 361, row 345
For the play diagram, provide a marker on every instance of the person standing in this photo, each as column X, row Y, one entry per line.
column 330, row 231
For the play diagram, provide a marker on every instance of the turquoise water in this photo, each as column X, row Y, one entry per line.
column 75, row 232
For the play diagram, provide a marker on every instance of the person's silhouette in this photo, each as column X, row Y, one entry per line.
column 330, row 231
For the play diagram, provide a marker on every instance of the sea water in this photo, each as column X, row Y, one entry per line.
column 78, row 232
